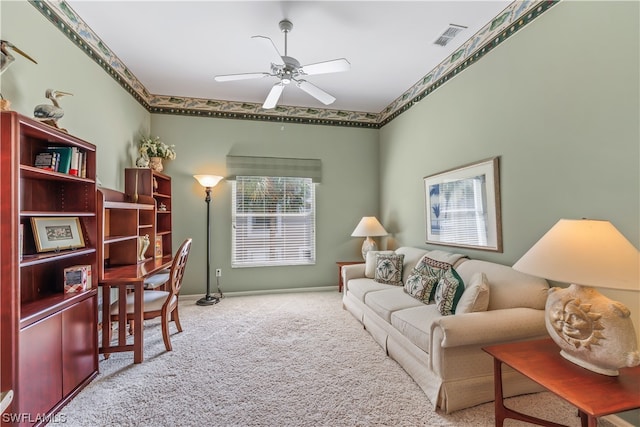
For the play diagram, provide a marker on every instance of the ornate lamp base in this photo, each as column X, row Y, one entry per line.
column 368, row 245
column 591, row 330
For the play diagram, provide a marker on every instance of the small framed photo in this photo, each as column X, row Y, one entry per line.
column 55, row 234
column 158, row 246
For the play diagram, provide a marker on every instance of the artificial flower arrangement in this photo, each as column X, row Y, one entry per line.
column 153, row 147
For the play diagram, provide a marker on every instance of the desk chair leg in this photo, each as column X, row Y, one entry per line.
column 176, row 318
column 165, row 330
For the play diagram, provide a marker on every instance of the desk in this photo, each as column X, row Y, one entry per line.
column 127, row 278
column 594, row 395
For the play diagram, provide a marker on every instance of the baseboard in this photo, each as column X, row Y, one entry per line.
column 614, row 421
column 194, row 298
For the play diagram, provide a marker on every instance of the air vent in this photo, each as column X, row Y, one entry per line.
column 448, row 34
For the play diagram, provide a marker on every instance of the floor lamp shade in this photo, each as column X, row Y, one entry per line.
column 208, row 182
column 590, row 329
column 369, row 227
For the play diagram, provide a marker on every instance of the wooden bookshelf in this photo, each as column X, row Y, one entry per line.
column 37, row 317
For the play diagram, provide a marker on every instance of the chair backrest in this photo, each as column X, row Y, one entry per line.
column 177, row 267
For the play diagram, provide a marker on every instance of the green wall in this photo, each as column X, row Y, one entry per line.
column 348, row 192
column 559, row 103
column 100, row 110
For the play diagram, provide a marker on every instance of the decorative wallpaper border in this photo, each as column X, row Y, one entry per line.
column 513, row 18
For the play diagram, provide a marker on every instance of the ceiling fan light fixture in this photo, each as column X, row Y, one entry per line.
column 288, row 69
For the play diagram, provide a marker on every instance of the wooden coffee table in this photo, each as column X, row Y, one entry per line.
column 595, row 395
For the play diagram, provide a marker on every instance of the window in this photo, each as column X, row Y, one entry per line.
column 273, row 220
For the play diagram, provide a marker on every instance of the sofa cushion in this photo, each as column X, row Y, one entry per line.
column 385, row 302
column 359, row 288
column 389, row 268
column 475, row 296
column 508, row 288
column 448, row 292
column 370, row 263
column 415, row 324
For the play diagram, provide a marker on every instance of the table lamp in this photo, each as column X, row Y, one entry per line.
column 591, row 330
column 369, row 227
column 208, row 182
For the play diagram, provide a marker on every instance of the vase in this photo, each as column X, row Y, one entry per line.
column 155, row 163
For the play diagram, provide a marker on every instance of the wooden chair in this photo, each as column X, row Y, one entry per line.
column 161, row 303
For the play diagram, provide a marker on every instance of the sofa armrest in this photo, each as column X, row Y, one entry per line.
column 489, row 327
column 354, row 271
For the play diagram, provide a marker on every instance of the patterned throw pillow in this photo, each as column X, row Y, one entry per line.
column 389, row 269
column 448, row 292
column 425, row 277
column 421, row 286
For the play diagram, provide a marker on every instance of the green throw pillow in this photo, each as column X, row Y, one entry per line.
column 448, row 292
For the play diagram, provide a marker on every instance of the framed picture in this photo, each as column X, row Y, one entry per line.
column 54, row 234
column 462, row 206
column 158, row 246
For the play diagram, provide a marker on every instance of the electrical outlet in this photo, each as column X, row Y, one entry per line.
column 218, row 272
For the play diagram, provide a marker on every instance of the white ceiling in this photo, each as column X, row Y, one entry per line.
column 176, row 47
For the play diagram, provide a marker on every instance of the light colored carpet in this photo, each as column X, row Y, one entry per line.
column 271, row 360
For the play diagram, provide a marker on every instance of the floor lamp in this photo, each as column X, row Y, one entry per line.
column 208, row 182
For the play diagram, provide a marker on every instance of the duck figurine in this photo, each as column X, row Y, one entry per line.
column 50, row 114
column 6, row 58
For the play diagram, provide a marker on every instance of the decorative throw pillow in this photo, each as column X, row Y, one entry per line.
column 448, row 292
column 420, row 287
column 370, row 263
column 421, row 283
column 475, row 296
column 389, row 269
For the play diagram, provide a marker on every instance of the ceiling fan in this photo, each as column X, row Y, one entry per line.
column 289, row 70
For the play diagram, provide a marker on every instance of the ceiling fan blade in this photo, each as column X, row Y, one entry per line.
column 274, row 96
column 316, row 92
column 334, row 66
column 276, row 58
column 243, row 76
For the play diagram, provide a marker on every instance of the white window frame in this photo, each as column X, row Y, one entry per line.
column 287, row 235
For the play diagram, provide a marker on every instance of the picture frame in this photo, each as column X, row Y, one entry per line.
column 462, row 206
column 57, row 233
column 158, row 247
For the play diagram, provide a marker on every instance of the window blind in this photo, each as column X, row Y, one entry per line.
column 273, row 220
column 273, row 167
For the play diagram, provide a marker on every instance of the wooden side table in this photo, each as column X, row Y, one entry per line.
column 595, row 395
column 340, row 265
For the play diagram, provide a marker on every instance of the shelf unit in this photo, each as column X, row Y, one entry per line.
column 37, row 317
column 122, row 220
column 143, row 181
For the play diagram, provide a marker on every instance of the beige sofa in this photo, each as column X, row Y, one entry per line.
column 444, row 354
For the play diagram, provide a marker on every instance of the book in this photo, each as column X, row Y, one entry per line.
column 74, row 167
column 77, row 278
column 46, row 160
column 65, row 158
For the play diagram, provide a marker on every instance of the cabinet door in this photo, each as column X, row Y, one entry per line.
column 79, row 344
column 39, row 374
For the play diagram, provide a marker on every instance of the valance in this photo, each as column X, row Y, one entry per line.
column 273, row 166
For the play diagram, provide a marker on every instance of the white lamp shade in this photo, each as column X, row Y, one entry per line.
column 208, row 180
column 369, row 226
column 584, row 252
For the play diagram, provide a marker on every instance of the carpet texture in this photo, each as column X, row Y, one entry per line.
column 271, row 360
